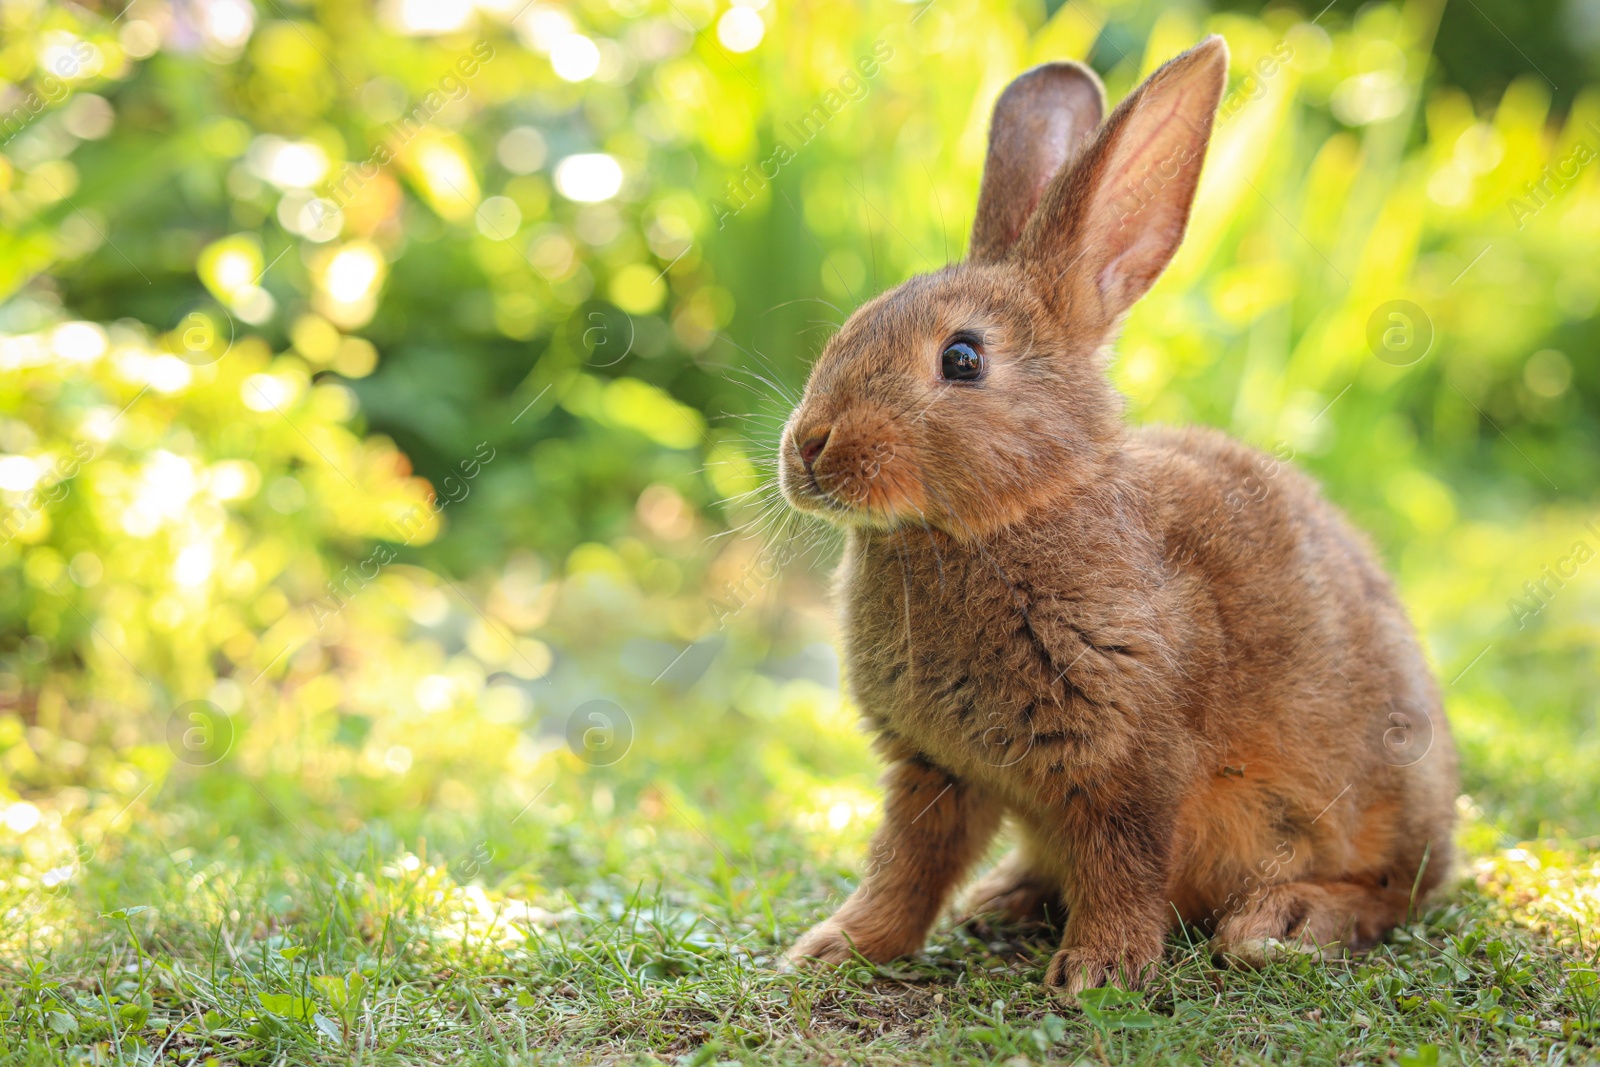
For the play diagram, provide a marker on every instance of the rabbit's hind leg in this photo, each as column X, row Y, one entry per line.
column 1322, row 918
column 1014, row 893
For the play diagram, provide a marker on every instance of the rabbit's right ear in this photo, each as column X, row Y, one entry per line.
column 1041, row 122
column 1105, row 229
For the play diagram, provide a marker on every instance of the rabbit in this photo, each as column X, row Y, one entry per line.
column 1163, row 656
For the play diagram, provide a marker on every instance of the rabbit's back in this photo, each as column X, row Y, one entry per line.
column 1329, row 753
column 1303, row 625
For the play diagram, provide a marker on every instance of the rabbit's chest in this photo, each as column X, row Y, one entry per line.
column 946, row 658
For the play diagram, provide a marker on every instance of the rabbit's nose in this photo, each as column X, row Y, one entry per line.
column 813, row 446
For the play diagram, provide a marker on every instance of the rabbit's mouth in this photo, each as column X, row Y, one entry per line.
column 859, row 492
column 823, row 498
column 818, row 491
column 806, row 493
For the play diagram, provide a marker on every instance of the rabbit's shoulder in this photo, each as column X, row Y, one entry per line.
column 1205, row 486
column 1249, row 523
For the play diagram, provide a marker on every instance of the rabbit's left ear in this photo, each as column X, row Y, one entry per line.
column 1041, row 122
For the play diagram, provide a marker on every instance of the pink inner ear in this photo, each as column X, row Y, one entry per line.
column 1041, row 183
column 1143, row 202
column 1038, row 123
column 1053, row 140
column 1151, row 148
column 1058, row 143
column 1135, row 266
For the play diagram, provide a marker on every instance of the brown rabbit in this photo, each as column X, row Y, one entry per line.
column 1175, row 666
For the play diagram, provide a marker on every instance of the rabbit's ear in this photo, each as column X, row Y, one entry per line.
column 1041, row 122
column 1105, row 231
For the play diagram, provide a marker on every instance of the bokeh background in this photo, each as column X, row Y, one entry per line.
column 387, row 395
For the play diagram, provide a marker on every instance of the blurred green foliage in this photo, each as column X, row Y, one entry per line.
column 388, row 378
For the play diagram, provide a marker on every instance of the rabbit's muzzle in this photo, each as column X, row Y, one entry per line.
column 855, row 468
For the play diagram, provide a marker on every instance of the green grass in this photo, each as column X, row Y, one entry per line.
column 593, row 929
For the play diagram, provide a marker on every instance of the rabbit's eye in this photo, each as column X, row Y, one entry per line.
column 961, row 362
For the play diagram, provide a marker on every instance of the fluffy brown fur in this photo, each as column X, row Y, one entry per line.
column 1170, row 662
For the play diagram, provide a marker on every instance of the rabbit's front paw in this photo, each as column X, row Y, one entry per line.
column 825, row 944
column 1072, row 970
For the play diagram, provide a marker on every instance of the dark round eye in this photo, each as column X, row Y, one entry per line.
column 961, row 362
